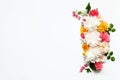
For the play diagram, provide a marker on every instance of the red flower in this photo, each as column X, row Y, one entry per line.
column 105, row 37
column 98, row 65
column 82, row 36
column 94, row 12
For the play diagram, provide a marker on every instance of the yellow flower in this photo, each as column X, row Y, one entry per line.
column 83, row 29
column 85, row 47
column 103, row 26
column 84, row 53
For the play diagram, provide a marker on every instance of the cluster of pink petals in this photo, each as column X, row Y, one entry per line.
column 105, row 37
column 94, row 12
column 74, row 13
column 83, row 67
column 98, row 65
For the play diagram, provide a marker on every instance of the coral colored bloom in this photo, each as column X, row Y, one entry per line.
column 98, row 65
column 85, row 47
column 105, row 37
column 103, row 26
column 82, row 36
column 94, row 12
column 83, row 29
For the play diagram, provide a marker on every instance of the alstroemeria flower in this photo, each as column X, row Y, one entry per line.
column 98, row 65
column 105, row 37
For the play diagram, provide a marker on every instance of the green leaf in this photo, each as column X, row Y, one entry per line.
column 111, row 53
column 113, row 30
column 92, row 66
column 111, row 25
column 88, row 70
column 112, row 58
column 88, row 7
column 79, row 12
column 109, row 29
column 108, row 57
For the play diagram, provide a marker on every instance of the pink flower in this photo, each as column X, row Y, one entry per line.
column 105, row 37
column 74, row 13
column 83, row 67
column 94, row 12
column 98, row 65
column 82, row 36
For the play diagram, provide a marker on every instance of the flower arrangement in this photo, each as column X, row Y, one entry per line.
column 95, row 37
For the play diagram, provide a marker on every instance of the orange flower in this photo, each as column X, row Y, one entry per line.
column 103, row 26
column 85, row 47
column 83, row 29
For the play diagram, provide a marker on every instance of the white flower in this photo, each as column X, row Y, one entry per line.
column 92, row 54
column 104, row 47
column 91, row 23
column 92, row 38
column 102, row 58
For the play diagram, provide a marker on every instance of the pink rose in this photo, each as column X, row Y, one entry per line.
column 94, row 12
column 105, row 37
column 98, row 65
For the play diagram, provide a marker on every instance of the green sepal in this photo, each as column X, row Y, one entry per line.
column 92, row 66
column 88, row 7
column 88, row 70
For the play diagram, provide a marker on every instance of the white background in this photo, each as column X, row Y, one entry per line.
column 39, row 40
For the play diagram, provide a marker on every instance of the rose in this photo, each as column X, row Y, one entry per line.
column 98, row 65
column 105, row 37
column 94, row 12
